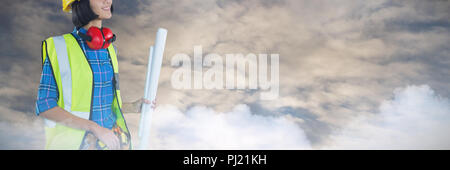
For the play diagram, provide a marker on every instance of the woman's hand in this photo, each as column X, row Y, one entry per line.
column 106, row 136
column 153, row 104
column 136, row 106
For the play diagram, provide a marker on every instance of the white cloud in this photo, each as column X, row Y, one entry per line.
column 416, row 118
column 204, row 128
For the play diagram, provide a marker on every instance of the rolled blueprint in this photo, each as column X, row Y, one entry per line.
column 151, row 86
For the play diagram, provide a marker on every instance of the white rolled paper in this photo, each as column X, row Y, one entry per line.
column 151, row 86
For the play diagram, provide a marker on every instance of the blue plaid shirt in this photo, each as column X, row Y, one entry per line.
column 103, row 85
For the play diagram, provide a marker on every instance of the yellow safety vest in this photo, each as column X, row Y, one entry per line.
column 74, row 78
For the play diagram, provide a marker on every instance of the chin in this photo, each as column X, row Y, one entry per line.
column 106, row 16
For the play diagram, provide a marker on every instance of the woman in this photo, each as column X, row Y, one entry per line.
column 79, row 94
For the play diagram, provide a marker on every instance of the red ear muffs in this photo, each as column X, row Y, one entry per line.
column 97, row 38
column 109, row 37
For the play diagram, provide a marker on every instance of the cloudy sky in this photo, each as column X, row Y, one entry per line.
column 353, row 74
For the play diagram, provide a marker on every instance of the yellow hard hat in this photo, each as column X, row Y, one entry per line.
column 67, row 5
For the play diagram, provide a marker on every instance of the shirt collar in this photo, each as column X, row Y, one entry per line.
column 74, row 32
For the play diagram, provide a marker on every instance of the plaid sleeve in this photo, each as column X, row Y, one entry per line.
column 48, row 90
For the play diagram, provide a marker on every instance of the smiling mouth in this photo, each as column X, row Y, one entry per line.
column 106, row 8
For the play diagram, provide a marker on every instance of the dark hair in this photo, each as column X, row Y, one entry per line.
column 82, row 13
